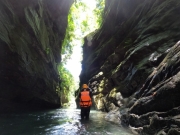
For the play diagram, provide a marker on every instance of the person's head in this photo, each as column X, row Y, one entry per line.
column 85, row 87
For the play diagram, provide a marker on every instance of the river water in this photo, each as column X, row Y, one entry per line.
column 58, row 122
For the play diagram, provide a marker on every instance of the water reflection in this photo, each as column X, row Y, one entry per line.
column 58, row 122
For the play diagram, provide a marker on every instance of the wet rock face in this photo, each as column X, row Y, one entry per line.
column 30, row 40
column 160, row 93
column 136, row 53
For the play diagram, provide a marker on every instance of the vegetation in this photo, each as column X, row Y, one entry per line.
column 98, row 11
column 67, row 84
column 82, row 20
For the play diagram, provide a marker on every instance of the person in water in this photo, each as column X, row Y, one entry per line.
column 85, row 101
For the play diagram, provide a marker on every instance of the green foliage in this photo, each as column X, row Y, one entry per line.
column 67, row 43
column 66, row 82
column 81, row 19
column 99, row 11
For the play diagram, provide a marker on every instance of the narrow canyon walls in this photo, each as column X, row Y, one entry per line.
column 31, row 35
column 133, row 62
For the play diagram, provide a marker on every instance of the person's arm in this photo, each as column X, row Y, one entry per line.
column 79, row 94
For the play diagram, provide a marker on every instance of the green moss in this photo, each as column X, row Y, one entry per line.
column 36, row 21
column 113, row 93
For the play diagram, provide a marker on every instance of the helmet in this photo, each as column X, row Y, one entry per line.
column 84, row 86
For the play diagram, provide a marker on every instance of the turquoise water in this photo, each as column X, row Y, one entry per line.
column 58, row 122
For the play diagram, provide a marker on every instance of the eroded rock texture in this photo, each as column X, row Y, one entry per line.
column 31, row 34
column 133, row 62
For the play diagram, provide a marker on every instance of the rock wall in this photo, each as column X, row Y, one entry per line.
column 31, row 35
column 132, row 64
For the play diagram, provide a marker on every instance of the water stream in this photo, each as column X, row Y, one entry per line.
column 58, row 122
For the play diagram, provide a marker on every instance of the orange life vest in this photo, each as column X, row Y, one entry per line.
column 85, row 100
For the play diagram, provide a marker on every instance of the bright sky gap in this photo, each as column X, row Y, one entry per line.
column 74, row 63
